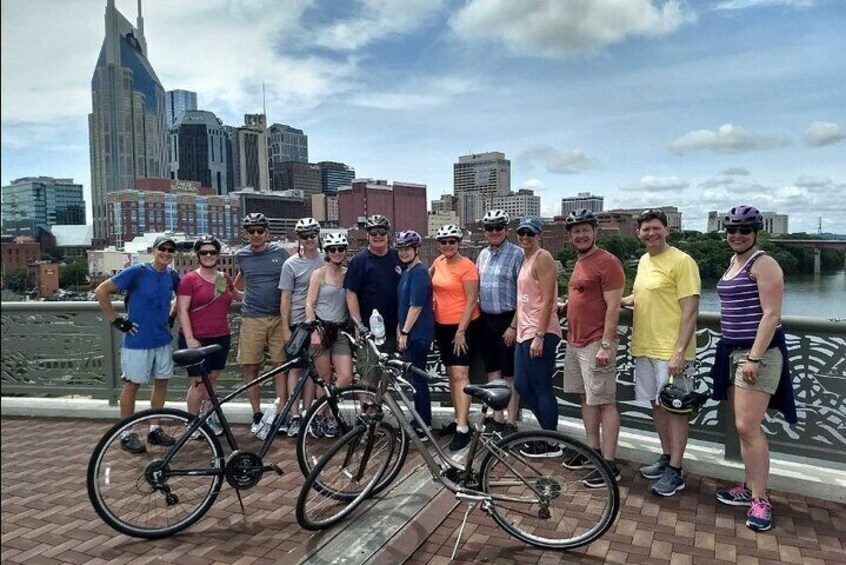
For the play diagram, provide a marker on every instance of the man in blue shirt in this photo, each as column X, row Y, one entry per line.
column 498, row 265
column 146, row 351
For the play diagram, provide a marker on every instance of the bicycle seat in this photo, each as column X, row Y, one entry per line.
column 495, row 394
column 187, row 357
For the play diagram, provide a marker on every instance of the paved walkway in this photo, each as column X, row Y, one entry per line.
column 47, row 518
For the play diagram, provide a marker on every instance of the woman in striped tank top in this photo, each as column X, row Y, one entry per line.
column 750, row 368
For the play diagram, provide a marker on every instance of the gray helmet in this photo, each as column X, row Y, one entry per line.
column 255, row 219
column 581, row 216
column 495, row 218
column 307, row 225
column 449, row 230
column 377, row 221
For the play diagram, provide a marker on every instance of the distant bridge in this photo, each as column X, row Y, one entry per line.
column 817, row 245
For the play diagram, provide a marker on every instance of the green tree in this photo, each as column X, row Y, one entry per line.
column 74, row 274
column 16, row 281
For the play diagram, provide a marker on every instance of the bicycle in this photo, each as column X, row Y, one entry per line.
column 168, row 488
column 537, row 500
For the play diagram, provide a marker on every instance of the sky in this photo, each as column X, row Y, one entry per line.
column 701, row 104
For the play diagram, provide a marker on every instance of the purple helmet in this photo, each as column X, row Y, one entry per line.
column 744, row 216
column 408, row 238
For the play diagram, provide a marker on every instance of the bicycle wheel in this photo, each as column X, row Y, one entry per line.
column 346, row 405
column 136, row 494
column 544, row 503
column 345, row 476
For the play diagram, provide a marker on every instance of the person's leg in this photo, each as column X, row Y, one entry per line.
column 750, row 406
column 250, row 373
column 677, row 427
column 416, row 355
column 159, row 395
column 574, row 372
column 195, row 396
column 541, row 370
column 342, row 362
column 127, row 398
column 459, row 377
column 251, row 343
column 609, row 418
column 522, row 376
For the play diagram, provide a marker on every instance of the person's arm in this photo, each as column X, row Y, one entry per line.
column 285, row 315
column 314, row 283
column 687, row 327
column 627, row 301
column 103, row 293
column 609, row 328
column 353, row 306
column 471, row 296
column 770, row 279
column 183, row 306
column 544, row 272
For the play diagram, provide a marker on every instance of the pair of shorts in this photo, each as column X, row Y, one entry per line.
column 139, row 365
column 334, row 341
column 652, row 374
column 213, row 362
column 444, row 336
column 498, row 356
column 583, row 376
column 769, row 370
column 257, row 334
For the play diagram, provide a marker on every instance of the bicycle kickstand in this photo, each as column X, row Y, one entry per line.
column 470, row 505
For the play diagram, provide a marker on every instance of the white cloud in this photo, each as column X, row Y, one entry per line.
column 728, row 138
column 813, row 182
column 732, row 5
column 818, row 134
column 421, row 93
column 552, row 28
column 735, row 171
column 557, row 161
column 650, row 183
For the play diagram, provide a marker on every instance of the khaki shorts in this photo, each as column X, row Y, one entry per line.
column 769, row 370
column 341, row 346
column 256, row 335
column 583, row 376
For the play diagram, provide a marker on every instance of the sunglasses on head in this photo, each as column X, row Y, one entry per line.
column 447, row 241
column 259, row 231
column 167, row 249
column 210, row 252
column 494, row 228
column 744, row 230
column 378, row 233
column 526, row 233
column 308, row 235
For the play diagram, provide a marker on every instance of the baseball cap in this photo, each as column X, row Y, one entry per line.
column 530, row 223
column 163, row 239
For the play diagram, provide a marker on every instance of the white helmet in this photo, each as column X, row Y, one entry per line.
column 449, row 230
column 495, row 218
column 307, row 225
column 335, row 239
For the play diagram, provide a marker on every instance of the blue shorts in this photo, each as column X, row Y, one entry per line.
column 139, row 365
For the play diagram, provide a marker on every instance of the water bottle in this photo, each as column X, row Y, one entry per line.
column 377, row 327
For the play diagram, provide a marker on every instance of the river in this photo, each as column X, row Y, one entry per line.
column 822, row 296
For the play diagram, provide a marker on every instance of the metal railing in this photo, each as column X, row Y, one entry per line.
column 68, row 348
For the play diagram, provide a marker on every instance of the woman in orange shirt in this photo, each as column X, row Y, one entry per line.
column 455, row 288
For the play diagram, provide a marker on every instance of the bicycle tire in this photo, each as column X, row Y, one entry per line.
column 330, row 493
column 120, row 484
column 346, row 407
column 577, row 515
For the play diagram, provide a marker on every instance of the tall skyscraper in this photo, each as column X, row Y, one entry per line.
column 200, row 150
column 249, row 154
column 334, row 175
column 177, row 102
column 285, row 143
column 583, row 200
column 294, row 175
column 127, row 131
column 34, row 203
column 476, row 178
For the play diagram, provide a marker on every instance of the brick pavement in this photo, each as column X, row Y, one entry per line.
column 47, row 518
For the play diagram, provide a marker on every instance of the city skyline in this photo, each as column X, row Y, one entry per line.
column 697, row 105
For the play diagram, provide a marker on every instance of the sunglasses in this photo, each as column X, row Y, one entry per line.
column 308, row 236
column 494, row 228
column 211, row 253
column 167, row 249
column 745, row 230
column 253, row 231
column 335, row 249
column 526, row 233
column 378, row 233
column 448, row 241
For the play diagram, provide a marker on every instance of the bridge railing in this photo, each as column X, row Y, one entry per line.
column 68, row 348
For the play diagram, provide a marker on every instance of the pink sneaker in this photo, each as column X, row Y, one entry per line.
column 760, row 515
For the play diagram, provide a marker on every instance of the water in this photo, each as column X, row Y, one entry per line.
column 804, row 295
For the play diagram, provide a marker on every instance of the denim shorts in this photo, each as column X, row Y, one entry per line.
column 139, row 365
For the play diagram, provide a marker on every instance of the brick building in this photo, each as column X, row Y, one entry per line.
column 404, row 203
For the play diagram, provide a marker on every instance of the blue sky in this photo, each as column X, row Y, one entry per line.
column 702, row 105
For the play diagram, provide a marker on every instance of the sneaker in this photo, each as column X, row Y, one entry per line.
column 670, row 483
column 256, row 422
column 315, row 428
column 508, row 429
column 283, row 427
column 738, row 495
column 595, row 480
column 132, row 443
column 492, row 426
column 655, row 470
column 449, row 429
column 421, row 434
column 294, row 426
column 459, row 441
column 760, row 515
column 158, row 437
column 330, row 427
column 577, row 461
column 541, row 450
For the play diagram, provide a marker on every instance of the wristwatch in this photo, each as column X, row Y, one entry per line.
column 403, row 332
column 604, row 345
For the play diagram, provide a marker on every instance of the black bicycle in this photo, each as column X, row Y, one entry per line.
column 167, row 488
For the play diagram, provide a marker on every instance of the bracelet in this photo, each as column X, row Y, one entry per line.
column 756, row 361
column 513, row 327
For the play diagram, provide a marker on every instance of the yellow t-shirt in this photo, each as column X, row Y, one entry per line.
column 662, row 280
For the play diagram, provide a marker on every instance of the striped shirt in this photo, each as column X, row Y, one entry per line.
column 740, row 305
column 498, row 272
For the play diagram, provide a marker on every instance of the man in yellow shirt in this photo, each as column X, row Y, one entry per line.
column 665, row 298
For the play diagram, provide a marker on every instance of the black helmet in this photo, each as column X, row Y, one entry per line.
column 255, row 219
column 681, row 399
column 581, row 216
column 377, row 221
column 207, row 239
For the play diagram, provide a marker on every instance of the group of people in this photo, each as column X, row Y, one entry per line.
column 503, row 308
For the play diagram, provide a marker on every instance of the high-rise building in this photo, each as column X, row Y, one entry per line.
column 177, row 102
column 518, row 204
column 488, row 173
column 404, row 203
column 285, row 143
column 249, row 154
column 295, row 175
column 282, row 210
column 127, row 130
column 33, row 203
column 471, row 206
column 583, row 200
column 446, row 203
column 436, row 220
column 200, row 150
column 324, row 208
column 334, row 175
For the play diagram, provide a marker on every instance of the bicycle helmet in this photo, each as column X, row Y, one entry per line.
column 679, row 399
column 449, row 230
column 255, row 219
column 377, row 221
column 408, row 238
column 580, row 216
column 495, row 218
column 333, row 239
column 744, row 216
column 307, row 225
column 207, row 239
